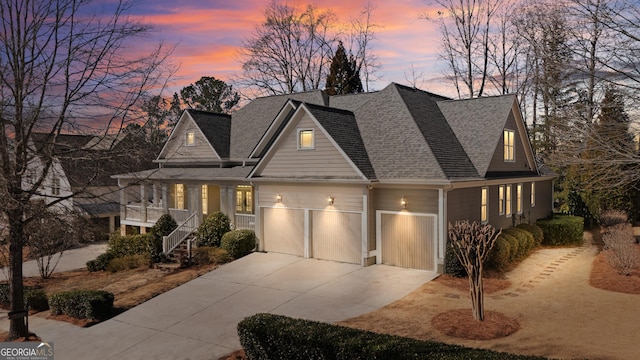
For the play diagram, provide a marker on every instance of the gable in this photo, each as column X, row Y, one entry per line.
column 176, row 148
column 522, row 162
column 325, row 160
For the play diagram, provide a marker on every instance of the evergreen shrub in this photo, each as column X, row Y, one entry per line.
column 82, row 304
column 239, row 243
column 561, row 230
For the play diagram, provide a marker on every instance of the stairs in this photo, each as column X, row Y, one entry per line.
column 177, row 245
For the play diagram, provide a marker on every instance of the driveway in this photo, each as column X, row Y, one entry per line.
column 198, row 320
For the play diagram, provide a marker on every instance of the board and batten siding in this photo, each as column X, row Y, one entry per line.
column 323, row 161
column 176, row 148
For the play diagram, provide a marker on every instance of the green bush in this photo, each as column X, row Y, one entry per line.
column 267, row 336
column 535, row 230
column 121, row 246
column 129, row 262
column 163, row 227
column 210, row 232
column 562, row 230
column 100, row 263
column 205, row 255
column 525, row 241
column 35, row 298
column 452, row 265
column 82, row 304
column 239, row 243
column 500, row 256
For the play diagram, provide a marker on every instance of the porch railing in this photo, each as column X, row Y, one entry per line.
column 180, row 234
column 245, row 221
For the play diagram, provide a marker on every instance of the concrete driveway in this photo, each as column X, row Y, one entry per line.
column 198, row 320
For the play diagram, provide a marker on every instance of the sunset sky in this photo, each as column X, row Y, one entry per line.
column 209, row 33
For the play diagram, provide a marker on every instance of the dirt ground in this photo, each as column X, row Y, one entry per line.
column 560, row 314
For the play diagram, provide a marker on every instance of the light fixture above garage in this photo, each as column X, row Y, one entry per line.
column 403, row 202
column 330, row 199
column 278, row 198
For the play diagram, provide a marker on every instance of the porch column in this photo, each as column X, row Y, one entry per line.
column 112, row 224
column 165, row 198
column 143, row 203
column 195, row 200
column 123, row 206
column 156, row 197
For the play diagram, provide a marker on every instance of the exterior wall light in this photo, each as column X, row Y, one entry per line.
column 330, row 199
column 278, row 198
column 403, row 202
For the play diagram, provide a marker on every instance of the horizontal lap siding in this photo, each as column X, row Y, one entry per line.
column 323, row 161
column 312, row 196
column 177, row 150
column 418, row 200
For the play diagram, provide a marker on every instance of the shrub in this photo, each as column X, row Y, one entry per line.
column 163, row 227
column 562, row 230
column 525, row 242
column 500, row 256
column 621, row 251
column 452, row 265
column 128, row 262
column 205, row 255
column 35, row 298
column 82, row 304
column 210, row 232
column 613, row 217
column 239, row 243
column 121, row 246
column 100, row 263
column 267, row 336
column 535, row 230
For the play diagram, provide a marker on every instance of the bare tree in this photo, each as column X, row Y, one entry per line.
column 63, row 68
column 472, row 243
column 363, row 33
column 289, row 52
column 465, row 26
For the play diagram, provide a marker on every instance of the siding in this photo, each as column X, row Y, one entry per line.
column 313, row 196
column 175, row 149
column 324, row 161
column 520, row 163
column 419, row 200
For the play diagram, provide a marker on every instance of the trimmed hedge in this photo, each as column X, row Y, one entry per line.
column 267, row 336
column 239, row 243
column 535, row 230
column 100, row 263
column 121, row 246
column 512, row 245
column 452, row 265
column 204, row 255
column 83, row 304
column 562, row 230
column 35, row 298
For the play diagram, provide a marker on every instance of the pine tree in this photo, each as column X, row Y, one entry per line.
column 344, row 76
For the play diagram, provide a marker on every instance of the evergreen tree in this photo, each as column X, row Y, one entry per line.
column 210, row 94
column 344, row 76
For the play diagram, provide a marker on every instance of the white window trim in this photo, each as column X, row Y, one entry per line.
column 186, row 138
column 519, row 199
column 313, row 138
column 533, row 194
column 507, row 201
column 501, row 200
column 484, row 205
column 509, row 157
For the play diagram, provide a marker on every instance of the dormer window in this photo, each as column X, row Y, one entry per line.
column 509, row 146
column 190, row 138
column 306, row 139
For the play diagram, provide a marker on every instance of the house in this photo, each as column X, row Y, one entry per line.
column 79, row 178
column 363, row 178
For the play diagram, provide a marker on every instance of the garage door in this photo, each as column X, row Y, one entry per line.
column 336, row 236
column 283, row 230
column 408, row 240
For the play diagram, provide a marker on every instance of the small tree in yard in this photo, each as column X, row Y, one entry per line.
column 472, row 243
column 49, row 237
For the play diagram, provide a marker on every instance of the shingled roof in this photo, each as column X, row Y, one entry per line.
column 343, row 129
column 216, row 128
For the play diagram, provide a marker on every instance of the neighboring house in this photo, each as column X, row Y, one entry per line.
column 363, row 178
column 79, row 179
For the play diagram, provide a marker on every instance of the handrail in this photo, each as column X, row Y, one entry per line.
column 181, row 233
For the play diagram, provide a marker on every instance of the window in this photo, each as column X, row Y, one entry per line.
column 190, row 138
column 306, row 140
column 179, row 196
column 484, row 216
column 205, row 199
column 519, row 198
column 244, row 199
column 509, row 145
column 533, row 194
column 55, row 186
column 501, row 200
column 507, row 202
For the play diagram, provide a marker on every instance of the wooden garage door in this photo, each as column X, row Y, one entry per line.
column 336, row 236
column 283, row 230
column 408, row 240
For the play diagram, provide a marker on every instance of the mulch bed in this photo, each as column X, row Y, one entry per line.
column 461, row 324
column 490, row 285
column 605, row 277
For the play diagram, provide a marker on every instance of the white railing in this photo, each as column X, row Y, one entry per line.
column 180, row 234
column 245, row 221
column 179, row 215
column 154, row 213
column 133, row 212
